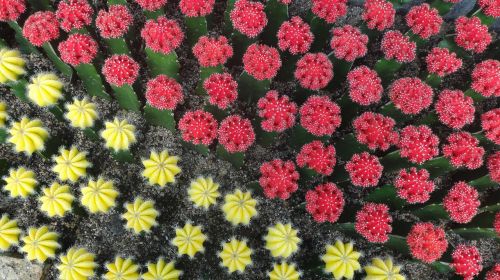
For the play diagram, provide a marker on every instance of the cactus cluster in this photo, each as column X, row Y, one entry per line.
column 239, row 139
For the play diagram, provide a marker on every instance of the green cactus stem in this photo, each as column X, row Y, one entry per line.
column 299, row 136
column 117, row 45
column 474, row 95
column 91, row 80
column 44, row 5
column 433, row 80
column 154, row 14
column 264, row 138
column 18, row 88
column 64, row 68
column 236, row 159
column 340, row 70
column 442, row 6
column 486, row 20
column 277, row 13
column 195, row 28
column 24, row 45
column 123, row 156
column 390, row 110
column 387, row 68
column 387, row 194
column 202, row 149
column 218, row 113
column 416, row 38
column 288, row 66
column 164, row 118
column 126, row 97
column 163, row 63
column 240, row 44
column 348, row 146
column 321, row 30
column 452, row 46
column 228, row 25
column 205, row 72
column 251, row 89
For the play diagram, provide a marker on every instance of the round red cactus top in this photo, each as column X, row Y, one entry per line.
column 115, row 22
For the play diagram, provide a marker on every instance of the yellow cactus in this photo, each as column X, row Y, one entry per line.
column 235, row 255
column 40, row 244
column 118, row 134
column 81, row 113
column 203, row 192
column 99, row 196
column 56, row 200
column 76, row 264
column 9, row 232
column 381, row 269
column 161, row 270
column 189, row 240
column 140, row 215
column 71, row 164
column 160, row 168
column 45, row 89
column 239, row 207
column 28, row 135
column 282, row 240
column 3, row 114
column 122, row 269
column 21, row 182
column 11, row 65
column 284, row 271
column 341, row 260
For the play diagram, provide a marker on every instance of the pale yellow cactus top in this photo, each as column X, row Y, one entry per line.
column 28, row 136
column 45, row 89
column 11, row 65
column 81, row 113
column 118, row 134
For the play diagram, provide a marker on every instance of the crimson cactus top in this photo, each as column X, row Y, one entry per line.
column 329, row 10
column 471, row 34
column 486, row 78
column 463, row 150
column 77, row 49
column 418, row 144
column 10, row 10
column 398, row 46
column 424, row 20
column 348, row 43
column 74, row 14
column 151, row 5
column 378, row 14
column 454, row 108
column 325, row 203
column 295, row 36
column 320, row 116
column 494, row 166
column 365, row 86
column 376, row 131
column 317, row 157
column 222, row 89
column 278, row 112
column 467, row 261
column 414, row 185
column 442, row 62
column 461, row 202
column 314, row 71
column 236, row 134
column 196, row 8
column 248, row 17
column 164, row 93
column 41, row 27
column 278, row 178
column 373, row 222
column 490, row 123
column 211, row 51
column 261, row 62
column 410, row 95
column 198, row 127
column 494, row 273
column 113, row 23
column 120, row 70
column 364, row 170
column 490, row 8
column 162, row 35
column 427, row 242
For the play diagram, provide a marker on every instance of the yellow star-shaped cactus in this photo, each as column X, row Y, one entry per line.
column 28, row 135
column 189, row 240
column 56, row 200
column 76, row 264
column 161, row 270
column 160, row 168
column 71, row 164
column 284, row 271
column 9, row 232
column 239, row 207
column 81, row 113
column 140, row 215
column 122, row 269
column 282, row 240
column 45, row 89
column 3, row 114
column 21, row 182
column 118, row 134
column 235, row 255
column 40, row 244
column 11, row 65
column 203, row 192
column 99, row 196
column 381, row 269
column 341, row 260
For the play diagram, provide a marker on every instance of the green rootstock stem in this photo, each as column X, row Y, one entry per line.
column 416, row 38
column 390, row 110
column 386, row 69
column 486, row 20
column 240, row 45
column 442, row 6
column 483, row 183
column 205, row 72
column 117, row 45
column 264, row 138
column 340, row 70
column 117, row 2
column 123, row 155
column 251, row 89
column 3, row 135
column 386, row 194
column 164, row 118
column 24, row 45
column 300, row 136
column 228, row 25
column 18, row 88
column 277, row 13
column 218, row 113
column 236, row 159
column 349, row 110
column 433, row 80
column 64, row 68
column 57, row 111
column 154, row 14
column 41, row 4
column 321, row 30
column 195, row 28
column 450, row 44
column 166, row 64
column 126, row 97
column 288, row 66
column 477, row 97
column 91, row 80
column 91, row 134
column 202, row 149
column 348, row 146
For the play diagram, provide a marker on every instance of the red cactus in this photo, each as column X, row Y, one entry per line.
column 120, row 69
column 278, row 112
column 329, row 10
column 10, row 10
column 410, row 95
column 77, row 49
column 348, row 43
column 365, row 86
column 494, row 166
column 486, row 78
column 113, row 23
column 490, row 8
column 424, row 20
column 41, row 27
column 496, row 223
column 490, row 122
column 325, row 203
column 314, row 71
column 463, row 150
column 454, row 108
column 74, row 14
column 461, row 202
column 414, row 185
column 196, row 8
column 373, row 222
column 211, row 51
column 164, row 93
column 398, row 46
column 442, row 62
column 278, row 178
column 222, row 89
column 467, row 261
column 261, row 62
column 494, row 273
column 198, row 127
column 375, row 131
column 317, row 157
column 471, row 34
column 248, row 17
column 236, row 134
column 319, row 115
column 418, row 144
column 162, row 35
column 364, row 170
column 378, row 14
column 427, row 242
column 151, row 5
column 295, row 36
